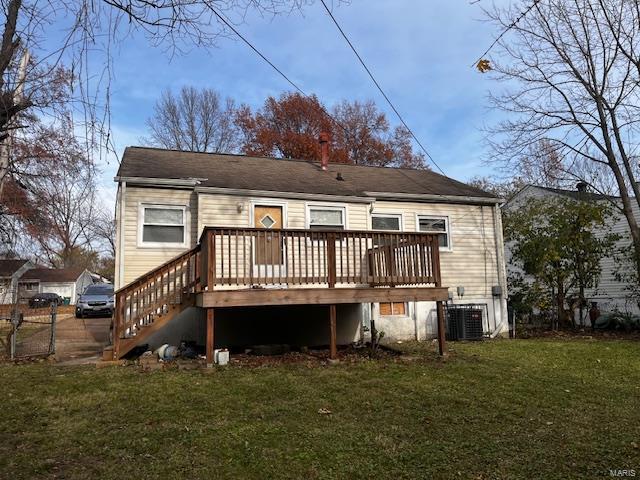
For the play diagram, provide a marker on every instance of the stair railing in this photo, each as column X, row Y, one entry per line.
column 154, row 293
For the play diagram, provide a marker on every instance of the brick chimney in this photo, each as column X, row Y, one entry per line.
column 324, row 150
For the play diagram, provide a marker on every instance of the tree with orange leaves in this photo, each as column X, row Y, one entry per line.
column 289, row 127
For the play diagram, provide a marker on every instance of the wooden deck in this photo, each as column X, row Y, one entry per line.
column 237, row 267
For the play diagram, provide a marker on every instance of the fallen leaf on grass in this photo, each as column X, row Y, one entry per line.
column 324, row 411
column 549, row 423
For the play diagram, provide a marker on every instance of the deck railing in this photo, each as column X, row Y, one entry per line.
column 253, row 257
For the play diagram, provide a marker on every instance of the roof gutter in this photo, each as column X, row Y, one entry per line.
column 412, row 197
column 161, row 182
column 431, row 198
column 271, row 194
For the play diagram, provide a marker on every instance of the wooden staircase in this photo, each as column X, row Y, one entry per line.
column 151, row 301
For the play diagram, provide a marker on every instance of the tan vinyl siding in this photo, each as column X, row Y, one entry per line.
column 471, row 263
column 223, row 211
column 140, row 259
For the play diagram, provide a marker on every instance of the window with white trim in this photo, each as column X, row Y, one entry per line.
column 30, row 286
column 327, row 217
column 437, row 225
column 164, row 225
column 386, row 222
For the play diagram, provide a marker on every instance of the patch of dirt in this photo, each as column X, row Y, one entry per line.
column 314, row 357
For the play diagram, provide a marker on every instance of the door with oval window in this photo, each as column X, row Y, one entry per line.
column 268, row 247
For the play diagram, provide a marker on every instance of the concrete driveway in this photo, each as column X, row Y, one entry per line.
column 81, row 340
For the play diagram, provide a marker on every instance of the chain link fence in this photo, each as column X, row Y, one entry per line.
column 27, row 333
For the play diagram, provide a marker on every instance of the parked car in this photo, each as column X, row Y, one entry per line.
column 97, row 299
column 45, row 299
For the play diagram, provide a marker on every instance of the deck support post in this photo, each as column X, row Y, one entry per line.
column 210, row 343
column 442, row 346
column 333, row 349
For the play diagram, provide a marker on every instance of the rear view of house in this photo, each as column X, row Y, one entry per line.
column 233, row 251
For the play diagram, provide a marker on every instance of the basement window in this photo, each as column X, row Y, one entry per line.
column 393, row 308
column 163, row 225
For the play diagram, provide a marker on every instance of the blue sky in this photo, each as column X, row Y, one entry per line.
column 420, row 51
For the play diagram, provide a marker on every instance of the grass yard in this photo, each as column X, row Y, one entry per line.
column 505, row 409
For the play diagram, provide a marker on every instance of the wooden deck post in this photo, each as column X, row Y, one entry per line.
column 442, row 346
column 333, row 349
column 331, row 260
column 210, row 343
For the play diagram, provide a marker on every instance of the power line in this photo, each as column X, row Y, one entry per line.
column 282, row 74
column 505, row 31
column 344, row 35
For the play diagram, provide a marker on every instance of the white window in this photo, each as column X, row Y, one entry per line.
column 29, row 286
column 386, row 222
column 163, row 225
column 327, row 218
column 438, row 225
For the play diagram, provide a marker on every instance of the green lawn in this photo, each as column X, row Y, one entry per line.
column 505, row 409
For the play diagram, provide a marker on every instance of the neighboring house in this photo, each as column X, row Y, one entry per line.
column 66, row 282
column 610, row 293
column 10, row 272
column 279, row 240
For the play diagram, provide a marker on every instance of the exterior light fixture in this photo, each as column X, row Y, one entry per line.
column 461, row 292
column 240, row 207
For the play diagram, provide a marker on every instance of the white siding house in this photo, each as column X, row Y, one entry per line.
column 610, row 293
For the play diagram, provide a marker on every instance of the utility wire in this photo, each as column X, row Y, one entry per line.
column 364, row 65
column 282, row 74
column 294, row 85
column 505, row 31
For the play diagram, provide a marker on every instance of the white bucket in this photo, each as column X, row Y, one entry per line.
column 222, row 357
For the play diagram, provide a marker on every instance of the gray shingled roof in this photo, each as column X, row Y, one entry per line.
column 576, row 195
column 281, row 175
column 46, row 275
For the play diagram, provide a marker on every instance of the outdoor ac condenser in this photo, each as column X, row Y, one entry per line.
column 464, row 322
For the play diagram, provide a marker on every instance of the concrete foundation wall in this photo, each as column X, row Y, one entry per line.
column 188, row 326
column 308, row 325
column 421, row 322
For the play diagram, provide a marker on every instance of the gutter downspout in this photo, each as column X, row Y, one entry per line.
column 123, row 188
column 500, row 263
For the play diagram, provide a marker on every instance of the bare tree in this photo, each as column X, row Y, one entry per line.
column 83, row 34
column 55, row 195
column 571, row 69
column 194, row 120
column 104, row 232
